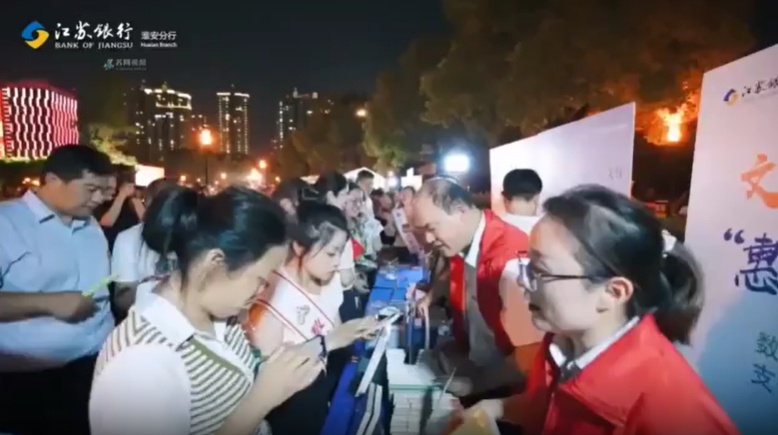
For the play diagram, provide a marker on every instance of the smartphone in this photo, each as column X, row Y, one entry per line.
column 386, row 319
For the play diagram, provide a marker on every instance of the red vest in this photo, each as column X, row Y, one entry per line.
column 500, row 243
column 640, row 385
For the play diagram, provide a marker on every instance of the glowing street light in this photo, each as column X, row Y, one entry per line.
column 262, row 164
column 361, row 113
column 182, row 178
column 205, row 142
column 206, row 139
column 223, row 176
column 254, row 176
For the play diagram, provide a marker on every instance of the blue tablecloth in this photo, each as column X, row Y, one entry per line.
column 345, row 409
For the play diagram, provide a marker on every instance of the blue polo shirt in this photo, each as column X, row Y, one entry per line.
column 39, row 253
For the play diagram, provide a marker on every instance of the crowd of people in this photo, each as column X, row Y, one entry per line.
column 235, row 313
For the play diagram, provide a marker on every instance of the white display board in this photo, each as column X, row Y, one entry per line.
column 594, row 150
column 144, row 174
column 732, row 229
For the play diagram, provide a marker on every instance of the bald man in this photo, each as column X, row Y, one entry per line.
column 484, row 252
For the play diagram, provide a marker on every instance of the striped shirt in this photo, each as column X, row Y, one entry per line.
column 157, row 374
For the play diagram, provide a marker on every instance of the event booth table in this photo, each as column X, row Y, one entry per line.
column 367, row 414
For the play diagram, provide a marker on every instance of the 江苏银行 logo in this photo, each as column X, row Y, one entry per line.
column 35, row 35
column 731, row 97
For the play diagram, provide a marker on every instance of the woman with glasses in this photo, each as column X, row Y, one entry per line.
column 301, row 305
column 612, row 303
column 180, row 363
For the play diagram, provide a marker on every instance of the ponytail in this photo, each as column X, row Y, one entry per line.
column 170, row 223
column 682, row 285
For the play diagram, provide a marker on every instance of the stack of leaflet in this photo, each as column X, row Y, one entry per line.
column 420, row 404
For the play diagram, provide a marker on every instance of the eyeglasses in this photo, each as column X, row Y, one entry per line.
column 530, row 278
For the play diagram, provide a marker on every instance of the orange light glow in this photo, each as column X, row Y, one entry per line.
column 205, row 138
column 673, row 121
column 262, row 164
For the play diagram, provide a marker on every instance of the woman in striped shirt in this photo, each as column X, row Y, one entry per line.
column 180, row 364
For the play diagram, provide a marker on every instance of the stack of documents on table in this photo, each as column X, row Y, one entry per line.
column 419, row 402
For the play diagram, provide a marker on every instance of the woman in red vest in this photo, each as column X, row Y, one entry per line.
column 613, row 306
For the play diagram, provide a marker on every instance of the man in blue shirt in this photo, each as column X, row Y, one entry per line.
column 54, row 306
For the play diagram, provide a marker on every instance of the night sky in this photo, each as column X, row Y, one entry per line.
column 264, row 48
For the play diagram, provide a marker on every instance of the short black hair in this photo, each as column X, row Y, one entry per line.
column 446, row 193
column 289, row 189
column 365, row 175
column 522, row 184
column 72, row 162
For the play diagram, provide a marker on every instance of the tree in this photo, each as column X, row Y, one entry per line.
column 466, row 86
column 111, row 141
column 104, row 101
column 394, row 130
column 289, row 162
column 575, row 54
column 328, row 139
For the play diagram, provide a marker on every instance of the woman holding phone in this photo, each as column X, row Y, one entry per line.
column 149, row 374
column 301, row 306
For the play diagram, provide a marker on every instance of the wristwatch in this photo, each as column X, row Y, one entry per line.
column 324, row 352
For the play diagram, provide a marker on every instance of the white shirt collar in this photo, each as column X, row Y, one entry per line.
column 471, row 257
column 561, row 349
column 171, row 322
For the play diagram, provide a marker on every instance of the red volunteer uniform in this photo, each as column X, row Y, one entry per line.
column 498, row 243
column 639, row 385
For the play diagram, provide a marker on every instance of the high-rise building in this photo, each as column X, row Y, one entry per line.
column 162, row 118
column 197, row 125
column 233, row 123
column 293, row 113
column 35, row 118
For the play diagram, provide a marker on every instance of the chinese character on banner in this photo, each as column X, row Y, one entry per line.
column 767, row 345
column 763, row 376
column 753, row 177
column 123, row 31
column 81, row 31
column 145, row 35
column 61, row 31
column 761, row 275
column 103, row 31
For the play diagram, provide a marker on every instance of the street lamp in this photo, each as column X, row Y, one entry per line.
column 223, row 176
column 205, row 142
column 361, row 113
column 262, row 164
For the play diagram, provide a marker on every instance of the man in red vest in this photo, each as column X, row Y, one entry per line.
column 483, row 250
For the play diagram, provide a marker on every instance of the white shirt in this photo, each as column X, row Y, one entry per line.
column 347, row 257
column 369, row 211
column 561, row 351
column 524, row 223
column 133, row 261
column 145, row 389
